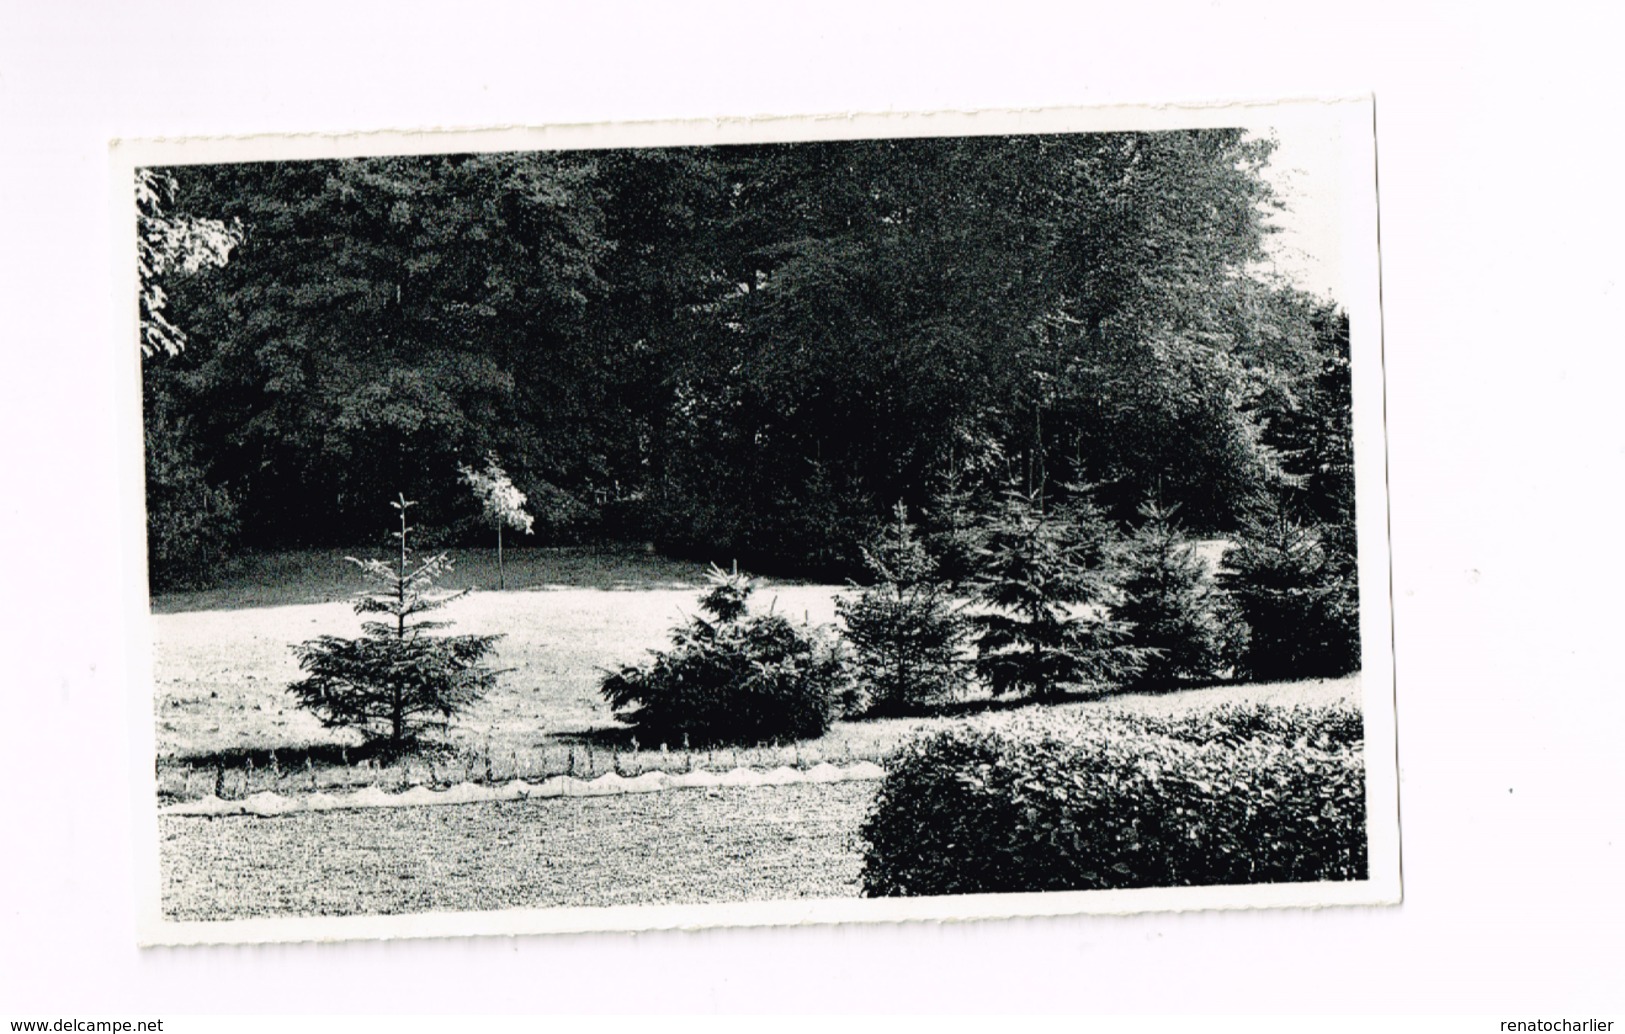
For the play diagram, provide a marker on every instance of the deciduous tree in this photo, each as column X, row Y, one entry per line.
column 502, row 504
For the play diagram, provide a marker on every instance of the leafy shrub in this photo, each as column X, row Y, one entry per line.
column 1323, row 728
column 1049, row 626
column 1238, row 796
column 1188, row 626
column 735, row 678
column 905, row 631
column 1298, row 595
column 191, row 524
column 396, row 676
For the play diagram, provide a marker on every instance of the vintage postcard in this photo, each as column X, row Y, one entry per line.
column 759, row 521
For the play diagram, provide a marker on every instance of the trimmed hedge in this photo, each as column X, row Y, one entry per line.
column 1236, row 795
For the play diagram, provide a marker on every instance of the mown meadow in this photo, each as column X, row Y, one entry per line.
column 225, row 723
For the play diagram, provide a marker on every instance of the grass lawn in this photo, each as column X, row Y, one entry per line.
column 221, row 669
column 222, row 662
column 288, row 577
column 679, row 847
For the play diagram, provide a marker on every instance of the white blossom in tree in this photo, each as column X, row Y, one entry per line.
column 503, row 503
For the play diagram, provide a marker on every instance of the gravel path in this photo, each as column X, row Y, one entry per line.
column 687, row 846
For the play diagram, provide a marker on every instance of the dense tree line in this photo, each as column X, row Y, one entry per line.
column 749, row 352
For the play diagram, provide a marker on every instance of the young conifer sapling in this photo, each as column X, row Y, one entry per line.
column 906, row 630
column 397, row 675
column 1048, row 625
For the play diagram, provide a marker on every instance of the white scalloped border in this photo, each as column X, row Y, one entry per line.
column 269, row 803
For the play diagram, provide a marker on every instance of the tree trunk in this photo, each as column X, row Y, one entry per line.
column 502, row 583
column 400, row 586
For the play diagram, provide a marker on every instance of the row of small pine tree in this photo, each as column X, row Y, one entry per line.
column 1046, row 600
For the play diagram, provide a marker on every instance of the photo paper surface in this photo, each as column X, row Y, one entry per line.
column 767, row 521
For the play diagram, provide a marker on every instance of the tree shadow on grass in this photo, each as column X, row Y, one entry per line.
column 989, row 705
column 983, row 705
column 626, row 738
column 607, row 737
column 946, row 709
column 1173, row 687
column 316, row 755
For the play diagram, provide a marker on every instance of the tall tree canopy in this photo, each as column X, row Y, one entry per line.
column 752, row 351
column 385, row 318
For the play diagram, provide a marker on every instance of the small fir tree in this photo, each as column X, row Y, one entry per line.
column 502, row 503
column 728, row 598
column 1300, row 601
column 1177, row 612
column 396, row 676
column 731, row 677
column 906, row 631
column 955, row 531
column 1049, row 624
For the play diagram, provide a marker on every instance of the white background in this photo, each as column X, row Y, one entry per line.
column 1501, row 235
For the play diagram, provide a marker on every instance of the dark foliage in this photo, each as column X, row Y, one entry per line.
column 396, row 676
column 1314, row 434
column 386, row 319
column 1298, row 595
column 192, row 518
column 191, row 523
column 734, row 678
column 1188, row 626
column 1234, row 796
column 955, row 531
column 1049, row 628
column 906, row 631
column 753, row 349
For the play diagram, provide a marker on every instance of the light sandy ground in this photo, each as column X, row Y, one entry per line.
column 221, row 675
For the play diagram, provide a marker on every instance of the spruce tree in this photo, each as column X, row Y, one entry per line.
column 1300, row 600
column 1187, row 624
column 731, row 677
column 397, row 675
column 955, row 531
column 1049, row 625
column 906, row 630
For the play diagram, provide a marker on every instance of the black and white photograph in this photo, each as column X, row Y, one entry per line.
column 1100, row 514
column 675, row 525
